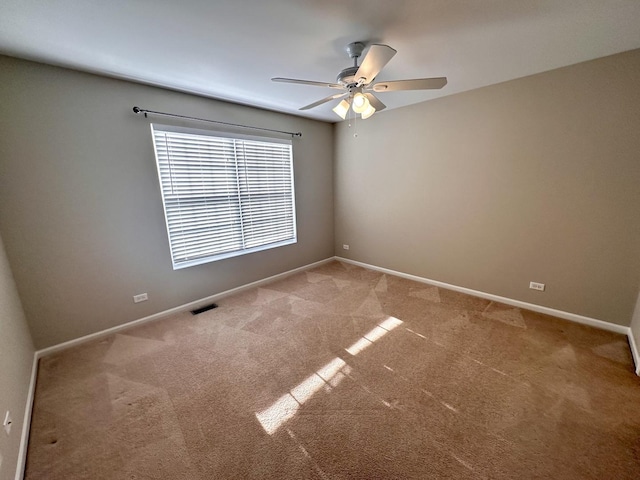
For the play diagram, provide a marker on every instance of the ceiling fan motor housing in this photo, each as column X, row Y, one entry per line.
column 347, row 76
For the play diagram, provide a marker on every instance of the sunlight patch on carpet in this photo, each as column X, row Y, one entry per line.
column 328, row 377
column 286, row 406
column 377, row 333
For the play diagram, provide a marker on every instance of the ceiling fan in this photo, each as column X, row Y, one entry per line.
column 357, row 84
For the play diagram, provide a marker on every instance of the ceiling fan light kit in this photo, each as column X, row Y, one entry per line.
column 357, row 82
column 368, row 112
column 341, row 109
column 359, row 103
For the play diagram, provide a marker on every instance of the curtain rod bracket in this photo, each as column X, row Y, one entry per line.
column 141, row 110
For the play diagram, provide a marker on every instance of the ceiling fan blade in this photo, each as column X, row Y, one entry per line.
column 324, row 100
column 373, row 100
column 307, row 82
column 374, row 61
column 417, row 84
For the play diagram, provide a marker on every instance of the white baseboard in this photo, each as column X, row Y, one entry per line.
column 22, row 455
column 24, row 441
column 612, row 327
column 635, row 353
column 182, row 308
column 573, row 317
column 26, row 422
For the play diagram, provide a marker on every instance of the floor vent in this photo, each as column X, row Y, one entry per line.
column 204, row 309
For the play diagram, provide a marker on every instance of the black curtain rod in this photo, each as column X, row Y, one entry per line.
column 141, row 110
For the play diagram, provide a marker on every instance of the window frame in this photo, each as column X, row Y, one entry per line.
column 240, row 217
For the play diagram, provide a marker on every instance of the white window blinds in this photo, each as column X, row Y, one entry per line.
column 224, row 196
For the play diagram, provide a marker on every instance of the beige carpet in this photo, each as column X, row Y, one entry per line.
column 336, row 373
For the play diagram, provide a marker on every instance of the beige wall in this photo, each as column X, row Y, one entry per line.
column 80, row 205
column 16, row 360
column 536, row 179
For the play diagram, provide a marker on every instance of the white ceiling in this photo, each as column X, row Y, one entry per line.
column 230, row 49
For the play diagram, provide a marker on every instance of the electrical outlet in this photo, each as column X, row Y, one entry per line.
column 7, row 422
column 140, row 298
column 345, row 247
column 536, row 286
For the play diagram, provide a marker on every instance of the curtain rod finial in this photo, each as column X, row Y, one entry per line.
column 136, row 109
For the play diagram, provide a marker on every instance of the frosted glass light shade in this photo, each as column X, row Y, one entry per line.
column 360, row 103
column 368, row 112
column 341, row 109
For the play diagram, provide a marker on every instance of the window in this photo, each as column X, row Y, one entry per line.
column 224, row 195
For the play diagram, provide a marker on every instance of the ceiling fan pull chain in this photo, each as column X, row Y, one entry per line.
column 355, row 123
